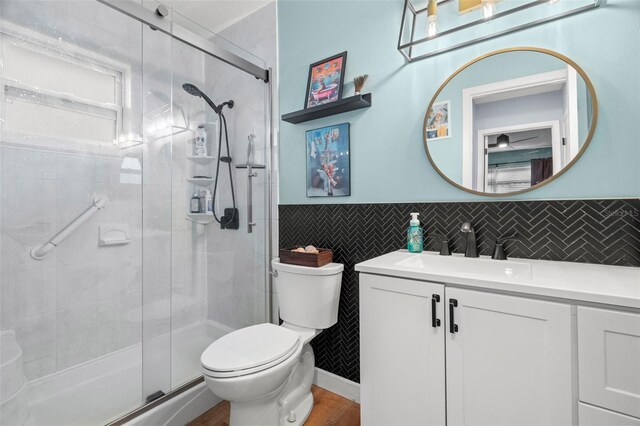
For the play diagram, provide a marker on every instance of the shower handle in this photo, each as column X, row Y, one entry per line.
column 250, row 175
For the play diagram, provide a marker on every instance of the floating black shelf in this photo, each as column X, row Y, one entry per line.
column 351, row 103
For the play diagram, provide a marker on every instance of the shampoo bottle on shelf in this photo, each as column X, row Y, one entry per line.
column 209, row 202
column 415, row 235
column 203, row 201
column 200, row 142
column 194, row 205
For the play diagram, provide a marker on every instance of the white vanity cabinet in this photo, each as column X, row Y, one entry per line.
column 508, row 360
column 609, row 360
column 402, row 364
column 519, row 342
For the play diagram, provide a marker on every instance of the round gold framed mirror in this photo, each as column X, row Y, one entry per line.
column 510, row 121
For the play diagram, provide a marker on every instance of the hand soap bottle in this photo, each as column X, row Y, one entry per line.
column 415, row 235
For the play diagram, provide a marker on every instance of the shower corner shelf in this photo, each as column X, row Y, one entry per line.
column 201, row 157
column 201, row 218
column 351, row 103
column 198, row 165
column 200, row 181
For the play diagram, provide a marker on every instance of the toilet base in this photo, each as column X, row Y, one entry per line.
column 302, row 412
column 290, row 405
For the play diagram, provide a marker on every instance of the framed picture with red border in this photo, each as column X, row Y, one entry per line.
column 326, row 79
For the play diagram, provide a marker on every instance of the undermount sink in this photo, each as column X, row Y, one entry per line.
column 486, row 267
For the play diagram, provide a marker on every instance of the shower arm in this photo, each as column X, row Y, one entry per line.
column 41, row 251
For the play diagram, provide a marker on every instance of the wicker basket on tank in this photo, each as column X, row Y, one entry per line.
column 314, row 260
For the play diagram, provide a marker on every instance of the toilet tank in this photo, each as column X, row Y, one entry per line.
column 308, row 297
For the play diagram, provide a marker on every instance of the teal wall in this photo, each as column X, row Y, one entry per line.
column 388, row 162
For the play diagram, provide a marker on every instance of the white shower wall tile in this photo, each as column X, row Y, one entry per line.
column 41, row 165
column 27, row 292
column 76, row 327
column 36, row 335
column 40, row 367
column 246, row 306
column 236, row 259
column 80, row 168
column 76, row 285
column 57, row 325
column 28, row 201
column 77, row 355
column 117, row 280
column 17, row 241
column 156, row 313
column 218, row 298
column 121, row 315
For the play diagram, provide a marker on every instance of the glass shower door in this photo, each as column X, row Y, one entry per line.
column 97, row 141
column 218, row 275
column 71, row 221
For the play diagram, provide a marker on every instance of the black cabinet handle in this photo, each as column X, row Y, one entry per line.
column 453, row 327
column 435, row 322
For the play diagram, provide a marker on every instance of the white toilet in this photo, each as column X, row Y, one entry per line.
column 266, row 370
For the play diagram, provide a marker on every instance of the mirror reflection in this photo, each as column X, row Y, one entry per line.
column 510, row 121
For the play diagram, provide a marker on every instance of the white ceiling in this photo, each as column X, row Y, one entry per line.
column 216, row 15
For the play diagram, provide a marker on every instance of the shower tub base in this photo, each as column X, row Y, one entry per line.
column 105, row 388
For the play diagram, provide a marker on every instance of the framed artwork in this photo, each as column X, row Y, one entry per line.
column 328, row 164
column 438, row 126
column 325, row 81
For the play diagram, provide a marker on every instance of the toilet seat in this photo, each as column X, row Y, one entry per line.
column 249, row 350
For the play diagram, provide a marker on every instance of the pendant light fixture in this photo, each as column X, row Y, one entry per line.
column 488, row 8
column 432, row 18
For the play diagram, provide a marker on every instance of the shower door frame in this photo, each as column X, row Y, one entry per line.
column 158, row 22
column 168, row 27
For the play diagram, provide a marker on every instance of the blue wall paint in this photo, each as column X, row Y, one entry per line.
column 388, row 162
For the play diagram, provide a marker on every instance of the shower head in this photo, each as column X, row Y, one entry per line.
column 191, row 89
column 194, row 91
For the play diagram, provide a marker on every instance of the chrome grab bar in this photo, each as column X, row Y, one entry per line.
column 250, row 175
column 41, row 251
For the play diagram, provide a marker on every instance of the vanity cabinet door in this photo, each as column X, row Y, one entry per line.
column 590, row 415
column 508, row 360
column 609, row 359
column 401, row 352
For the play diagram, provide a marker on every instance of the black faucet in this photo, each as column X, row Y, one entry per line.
column 470, row 249
column 444, row 249
column 498, row 251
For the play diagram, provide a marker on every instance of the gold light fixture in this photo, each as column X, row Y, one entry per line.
column 488, row 8
column 419, row 27
column 432, row 18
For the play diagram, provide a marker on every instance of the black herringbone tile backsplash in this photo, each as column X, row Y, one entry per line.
column 593, row 231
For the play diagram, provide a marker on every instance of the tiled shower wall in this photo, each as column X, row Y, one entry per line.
column 594, row 231
column 71, row 306
column 237, row 291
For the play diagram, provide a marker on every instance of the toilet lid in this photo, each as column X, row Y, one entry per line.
column 249, row 348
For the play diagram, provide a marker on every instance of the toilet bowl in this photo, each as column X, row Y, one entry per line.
column 265, row 371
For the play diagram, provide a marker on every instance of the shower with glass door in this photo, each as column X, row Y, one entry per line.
column 112, row 284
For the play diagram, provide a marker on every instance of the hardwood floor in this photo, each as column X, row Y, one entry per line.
column 329, row 410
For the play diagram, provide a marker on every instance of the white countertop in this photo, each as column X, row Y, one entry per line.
column 612, row 285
